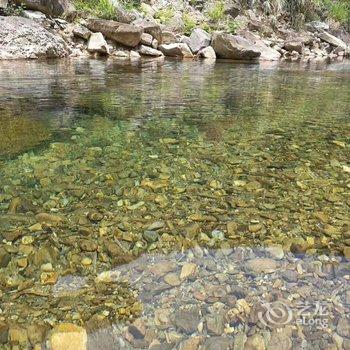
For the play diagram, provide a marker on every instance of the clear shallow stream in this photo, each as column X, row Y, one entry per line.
column 229, row 183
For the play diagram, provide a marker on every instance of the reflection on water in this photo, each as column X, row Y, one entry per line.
column 146, row 181
column 19, row 133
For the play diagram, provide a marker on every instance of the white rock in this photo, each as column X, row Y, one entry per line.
column 147, row 9
column 155, row 43
column 81, row 32
column 134, row 55
column 208, row 52
column 146, row 39
column 35, row 15
column 149, row 51
column 122, row 54
column 97, row 43
column 176, row 50
column 331, row 39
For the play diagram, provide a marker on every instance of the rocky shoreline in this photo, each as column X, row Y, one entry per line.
column 44, row 36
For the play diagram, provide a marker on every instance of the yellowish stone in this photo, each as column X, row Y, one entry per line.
column 36, row 227
column 86, row 261
column 67, row 336
column 188, row 269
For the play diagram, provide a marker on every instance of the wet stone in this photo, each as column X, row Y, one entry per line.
column 156, row 226
column 261, row 265
column 37, row 333
column 95, row 216
column 182, row 219
column 216, row 324
column 18, row 335
column 255, row 342
column 45, row 255
column 218, row 343
column 4, row 257
column 187, row 320
column 239, row 341
column 172, row 279
column 280, row 341
column 4, row 331
column 151, row 236
column 276, row 252
column 343, row 327
column 68, row 336
column 137, row 329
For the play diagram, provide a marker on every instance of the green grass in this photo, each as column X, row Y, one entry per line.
column 164, row 15
column 98, row 8
column 189, row 23
column 338, row 10
column 130, row 4
column 232, row 26
column 207, row 27
column 13, row 10
column 217, row 13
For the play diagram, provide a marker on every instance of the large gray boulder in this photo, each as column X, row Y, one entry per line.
column 49, row 7
column 234, row 47
column 267, row 53
column 199, row 39
column 22, row 38
column 176, row 50
column 125, row 34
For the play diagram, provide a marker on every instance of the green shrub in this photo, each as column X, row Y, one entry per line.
column 338, row 10
column 98, row 8
column 207, row 27
column 131, row 4
column 189, row 23
column 217, row 13
column 164, row 15
column 301, row 11
column 232, row 26
column 14, row 10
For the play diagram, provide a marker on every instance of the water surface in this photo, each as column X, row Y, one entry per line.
column 128, row 192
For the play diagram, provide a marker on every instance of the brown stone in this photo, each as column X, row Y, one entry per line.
column 126, row 34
